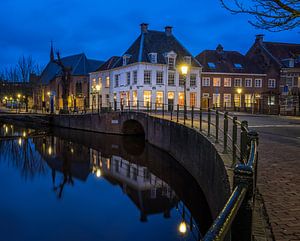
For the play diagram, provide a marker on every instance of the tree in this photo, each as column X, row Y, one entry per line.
column 271, row 15
column 27, row 66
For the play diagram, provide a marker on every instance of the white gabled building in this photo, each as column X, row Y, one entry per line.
column 149, row 71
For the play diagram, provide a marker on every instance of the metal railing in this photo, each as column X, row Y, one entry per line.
column 226, row 131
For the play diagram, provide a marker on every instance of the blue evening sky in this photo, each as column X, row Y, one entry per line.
column 105, row 28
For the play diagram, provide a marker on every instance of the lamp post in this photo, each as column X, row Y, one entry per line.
column 239, row 91
column 19, row 100
column 98, row 88
column 184, row 70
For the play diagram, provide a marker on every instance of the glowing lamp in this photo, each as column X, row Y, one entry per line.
column 182, row 228
column 184, row 69
column 239, row 90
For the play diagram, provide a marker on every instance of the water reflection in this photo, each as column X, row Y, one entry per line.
column 150, row 178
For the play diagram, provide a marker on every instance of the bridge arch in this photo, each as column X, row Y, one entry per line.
column 132, row 127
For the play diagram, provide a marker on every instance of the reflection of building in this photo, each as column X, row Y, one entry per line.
column 229, row 80
column 149, row 193
column 281, row 63
column 50, row 81
column 148, row 72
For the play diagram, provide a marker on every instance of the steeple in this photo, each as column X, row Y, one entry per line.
column 51, row 52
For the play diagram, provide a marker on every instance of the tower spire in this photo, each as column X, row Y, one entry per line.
column 51, row 52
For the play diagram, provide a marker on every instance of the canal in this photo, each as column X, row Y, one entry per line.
column 59, row 184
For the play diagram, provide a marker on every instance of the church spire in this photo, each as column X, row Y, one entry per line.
column 51, row 52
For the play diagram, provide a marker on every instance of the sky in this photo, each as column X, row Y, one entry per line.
column 102, row 29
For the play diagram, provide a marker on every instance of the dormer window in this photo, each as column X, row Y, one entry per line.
column 153, row 58
column 126, row 59
column 211, row 65
column 171, row 60
column 238, row 66
column 187, row 59
column 171, row 63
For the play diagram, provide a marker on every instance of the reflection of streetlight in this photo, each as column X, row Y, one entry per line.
column 48, row 93
column 184, row 70
column 98, row 172
column 50, row 150
column 182, row 228
column 20, row 141
column 19, row 96
column 24, row 134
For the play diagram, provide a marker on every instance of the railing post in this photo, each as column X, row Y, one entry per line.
column 177, row 112
column 184, row 114
column 200, row 119
column 208, row 122
column 171, row 108
column 115, row 105
column 234, row 140
column 225, row 132
column 217, row 126
column 148, row 105
column 137, row 105
column 163, row 110
column 244, row 140
column 129, row 105
column 155, row 108
column 192, row 119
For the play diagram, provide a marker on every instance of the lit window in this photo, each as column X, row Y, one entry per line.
column 216, row 81
column 258, row 83
column 248, row 82
column 238, row 66
column 227, row 82
column 147, row 76
column 271, row 100
column 237, row 82
column 237, row 100
column 159, row 77
column 206, row 81
column 171, row 95
column 193, row 98
column 147, row 98
column 107, row 81
column 216, row 100
column 128, row 78
column 211, row 65
column 193, row 78
column 227, row 100
column 153, row 58
column 135, row 77
column 134, row 98
column 181, row 98
column 272, row 83
column 248, row 100
column 159, row 98
column 171, row 78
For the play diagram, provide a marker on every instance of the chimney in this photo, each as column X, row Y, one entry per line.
column 168, row 30
column 220, row 49
column 144, row 27
column 259, row 38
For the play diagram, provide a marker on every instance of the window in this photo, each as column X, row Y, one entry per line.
column 289, row 81
column 258, row 83
column 211, row 65
column 107, row 81
column 248, row 82
column 180, row 98
column 135, row 77
column 78, row 89
column 159, row 77
column 227, row 82
column 238, row 66
column 248, row 100
column 206, row 81
column 147, row 98
column 147, row 76
column 227, row 100
column 117, row 76
column 153, row 58
column 128, row 78
column 271, row 100
column 193, row 98
column 134, row 98
column 187, row 59
column 216, row 81
column 171, row 63
column 159, row 98
column 237, row 82
column 107, row 99
column 237, row 100
column 216, row 100
column 125, row 59
column 171, row 78
column 193, row 78
column 100, row 81
column 272, row 83
column 181, row 80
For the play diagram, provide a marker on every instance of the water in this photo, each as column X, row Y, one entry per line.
column 72, row 185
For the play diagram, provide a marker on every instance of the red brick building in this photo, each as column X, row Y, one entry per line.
column 231, row 80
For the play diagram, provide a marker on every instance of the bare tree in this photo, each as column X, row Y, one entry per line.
column 271, row 15
column 11, row 74
column 26, row 66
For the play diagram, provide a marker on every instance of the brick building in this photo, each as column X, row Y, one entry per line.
column 230, row 80
column 281, row 62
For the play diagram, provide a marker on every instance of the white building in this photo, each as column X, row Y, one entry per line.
column 148, row 72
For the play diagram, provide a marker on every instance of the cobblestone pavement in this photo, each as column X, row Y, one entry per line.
column 279, row 172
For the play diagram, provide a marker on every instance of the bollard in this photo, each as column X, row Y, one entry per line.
column 217, row 126
column 200, row 119
column 208, row 122
column 234, row 140
column 225, row 132
column 192, row 119
column 177, row 111
column 244, row 140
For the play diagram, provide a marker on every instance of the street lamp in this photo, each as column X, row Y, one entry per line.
column 184, row 70
column 239, row 91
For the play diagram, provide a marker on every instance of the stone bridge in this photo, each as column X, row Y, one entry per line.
column 188, row 146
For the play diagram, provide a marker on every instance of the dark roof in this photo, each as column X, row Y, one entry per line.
column 79, row 64
column 226, row 62
column 109, row 64
column 156, row 42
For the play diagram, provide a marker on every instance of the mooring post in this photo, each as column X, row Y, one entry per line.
column 225, row 132
column 137, row 105
column 115, row 105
